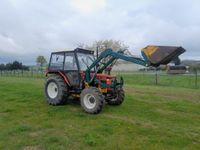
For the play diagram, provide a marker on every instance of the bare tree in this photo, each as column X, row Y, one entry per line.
column 81, row 45
column 101, row 45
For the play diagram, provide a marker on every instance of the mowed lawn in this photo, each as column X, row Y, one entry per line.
column 152, row 117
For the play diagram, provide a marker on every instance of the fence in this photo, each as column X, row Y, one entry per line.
column 23, row 73
column 189, row 80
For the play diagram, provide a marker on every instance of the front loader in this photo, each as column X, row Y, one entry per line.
column 78, row 74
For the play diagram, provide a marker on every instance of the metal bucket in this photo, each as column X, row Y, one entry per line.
column 161, row 55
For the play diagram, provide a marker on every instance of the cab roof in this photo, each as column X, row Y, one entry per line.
column 79, row 50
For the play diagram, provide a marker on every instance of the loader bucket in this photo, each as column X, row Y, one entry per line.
column 161, row 55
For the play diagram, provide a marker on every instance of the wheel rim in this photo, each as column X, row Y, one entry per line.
column 52, row 90
column 89, row 101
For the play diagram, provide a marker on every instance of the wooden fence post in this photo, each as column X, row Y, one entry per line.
column 32, row 72
column 196, row 78
column 156, row 79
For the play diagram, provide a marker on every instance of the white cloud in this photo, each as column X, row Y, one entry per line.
column 88, row 6
column 9, row 46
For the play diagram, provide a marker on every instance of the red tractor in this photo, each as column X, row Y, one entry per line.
column 79, row 74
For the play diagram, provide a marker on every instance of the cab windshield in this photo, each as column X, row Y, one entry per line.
column 85, row 60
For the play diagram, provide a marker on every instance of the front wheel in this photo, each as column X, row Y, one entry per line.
column 92, row 100
column 119, row 97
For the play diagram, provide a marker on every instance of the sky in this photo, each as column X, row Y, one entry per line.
column 29, row 28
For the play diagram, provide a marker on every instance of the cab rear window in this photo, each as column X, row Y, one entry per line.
column 56, row 62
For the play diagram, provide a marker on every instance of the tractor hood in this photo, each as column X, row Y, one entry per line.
column 161, row 55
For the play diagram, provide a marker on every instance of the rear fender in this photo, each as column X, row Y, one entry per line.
column 66, row 80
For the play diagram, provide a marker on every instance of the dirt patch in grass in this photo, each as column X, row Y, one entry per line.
column 32, row 148
column 172, row 113
column 125, row 119
column 73, row 109
column 166, row 112
column 3, row 113
column 35, row 134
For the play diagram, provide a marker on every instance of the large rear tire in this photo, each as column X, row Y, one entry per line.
column 56, row 90
column 119, row 98
column 92, row 100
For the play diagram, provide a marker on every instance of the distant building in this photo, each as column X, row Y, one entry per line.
column 126, row 66
column 176, row 69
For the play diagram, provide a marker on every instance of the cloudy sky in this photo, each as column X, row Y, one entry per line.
column 29, row 28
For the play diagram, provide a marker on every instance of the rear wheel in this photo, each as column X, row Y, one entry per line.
column 92, row 100
column 56, row 90
column 119, row 97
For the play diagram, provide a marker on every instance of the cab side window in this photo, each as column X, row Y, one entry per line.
column 70, row 62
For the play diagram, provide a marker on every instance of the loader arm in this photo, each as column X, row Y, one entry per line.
column 113, row 56
column 120, row 55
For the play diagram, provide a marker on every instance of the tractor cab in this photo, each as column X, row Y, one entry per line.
column 71, row 65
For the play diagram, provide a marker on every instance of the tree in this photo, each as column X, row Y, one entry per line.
column 8, row 66
column 15, row 65
column 41, row 61
column 2, row 67
column 101, row 45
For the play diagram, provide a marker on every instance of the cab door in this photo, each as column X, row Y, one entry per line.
column 71, row 69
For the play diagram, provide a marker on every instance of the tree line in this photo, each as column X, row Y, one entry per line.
column 15, row 65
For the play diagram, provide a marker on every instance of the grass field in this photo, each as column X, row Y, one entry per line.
column 152, row 117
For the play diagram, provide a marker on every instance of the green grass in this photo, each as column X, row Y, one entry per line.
column 152, row 117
